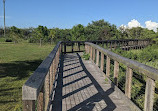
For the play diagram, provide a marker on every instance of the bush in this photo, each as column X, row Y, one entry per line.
column 86, row 56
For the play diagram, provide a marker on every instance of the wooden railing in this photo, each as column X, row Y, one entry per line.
column 151, row 73
column 38, row 89
column 127, row 44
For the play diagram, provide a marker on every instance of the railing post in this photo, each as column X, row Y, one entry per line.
column 107, row 66
column 128, row 84
column 28, row 105
column 93, row 55
column 102, row 61
column 97, row 60
column 64, row 48
column 79, row 46
column 116, row 72
column 149, row 95
column 72, row 47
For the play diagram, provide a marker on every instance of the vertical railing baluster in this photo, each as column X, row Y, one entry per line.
column 128, row 84
column 149, row 94
column 97, row 60
column 93, row 55
column 116, row 72
column 64, row 47
column 40, row 101
column 46, row 90
column 102, row 61
column 107, row 66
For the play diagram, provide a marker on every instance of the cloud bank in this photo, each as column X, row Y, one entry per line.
column 148, row 24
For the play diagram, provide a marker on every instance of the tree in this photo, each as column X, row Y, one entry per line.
column 77, row 33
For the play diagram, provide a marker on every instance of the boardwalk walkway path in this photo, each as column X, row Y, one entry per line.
column 81, row 86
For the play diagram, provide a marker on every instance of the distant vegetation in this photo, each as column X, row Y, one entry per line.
column 96, row 30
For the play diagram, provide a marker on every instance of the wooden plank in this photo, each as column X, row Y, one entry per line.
column 149, row 95
column 116, row 72
column 97, row 61
column 128, row 84
column 102, row 62
column 107, row 66
column 28, row 105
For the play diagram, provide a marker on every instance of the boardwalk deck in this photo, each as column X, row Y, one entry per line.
column 81, row 86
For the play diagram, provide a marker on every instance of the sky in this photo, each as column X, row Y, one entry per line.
column 67, row 13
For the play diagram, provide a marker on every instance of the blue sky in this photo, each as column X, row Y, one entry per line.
column 67, row 13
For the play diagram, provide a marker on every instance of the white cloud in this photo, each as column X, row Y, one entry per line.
column 151, row 25
column 133, row 23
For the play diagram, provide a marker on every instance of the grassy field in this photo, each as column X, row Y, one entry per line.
column 17, row 63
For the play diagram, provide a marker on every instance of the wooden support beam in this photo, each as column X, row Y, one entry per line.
column 97, row 60
column 128, row 84
column 149, row 95
column 107, row 66
column 28, row 105
column 116, row 72
column 102, row 61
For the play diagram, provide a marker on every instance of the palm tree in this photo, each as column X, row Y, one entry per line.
column 4, row 15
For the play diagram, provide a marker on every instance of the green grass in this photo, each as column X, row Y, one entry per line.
column 17, row 63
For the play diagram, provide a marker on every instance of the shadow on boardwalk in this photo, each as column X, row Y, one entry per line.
column 86, row 102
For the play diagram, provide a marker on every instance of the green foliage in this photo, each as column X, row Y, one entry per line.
column 85, row 56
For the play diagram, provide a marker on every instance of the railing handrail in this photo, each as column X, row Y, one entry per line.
column 125, row 40
column 142, row 68
column 33, row 85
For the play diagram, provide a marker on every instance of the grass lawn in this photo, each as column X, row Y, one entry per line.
column 17, row 63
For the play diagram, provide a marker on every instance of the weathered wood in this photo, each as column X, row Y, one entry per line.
column 94, row 54
column 149, row 94
column 46, row 91
column 51, row 77
column 28, row 105
column 97, row 61
column 33, row 85
column 40, row 101
column 107, row 66
column 128, row 84
column 91, row 52
column 141, row 68
column 116, row 72
column 102, row 62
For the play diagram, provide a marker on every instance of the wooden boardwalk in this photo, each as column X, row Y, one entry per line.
column 81, row 86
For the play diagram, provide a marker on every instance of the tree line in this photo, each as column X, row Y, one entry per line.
column 96, row 30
